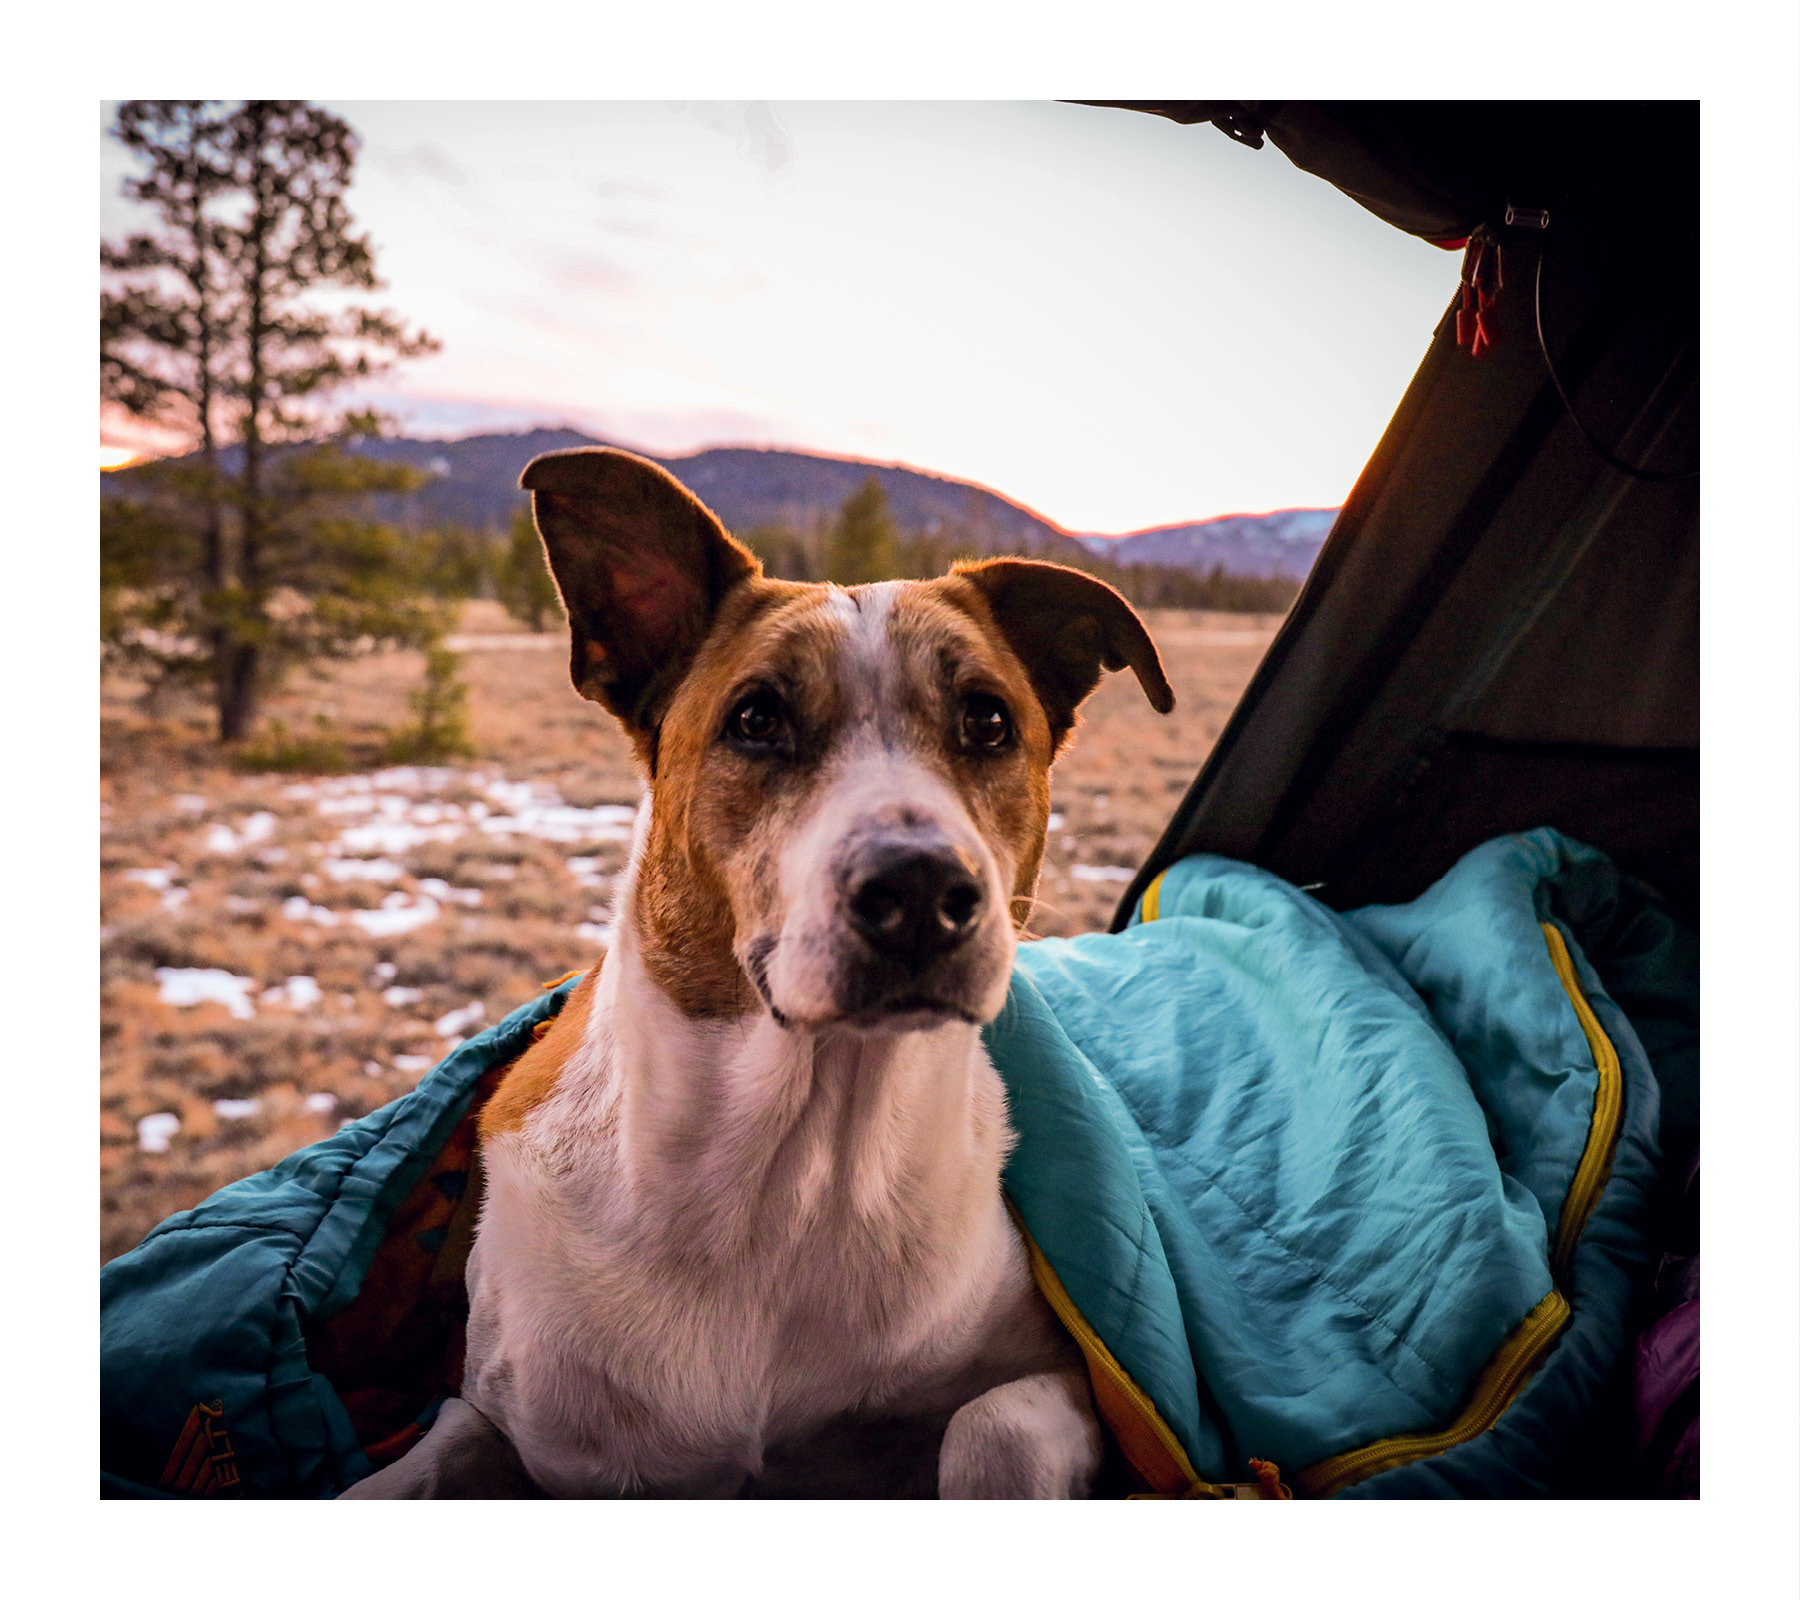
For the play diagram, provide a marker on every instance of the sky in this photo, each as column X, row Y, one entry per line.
column 1115, row 320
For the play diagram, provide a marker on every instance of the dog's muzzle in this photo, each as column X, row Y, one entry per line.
column 907, row 937
column 912, row 898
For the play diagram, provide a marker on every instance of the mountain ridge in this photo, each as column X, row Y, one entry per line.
column 473, row 481
column 1267, row 544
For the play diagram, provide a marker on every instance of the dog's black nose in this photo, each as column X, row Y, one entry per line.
column 912, row 899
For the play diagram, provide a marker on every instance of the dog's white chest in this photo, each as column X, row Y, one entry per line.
column 656, row 1307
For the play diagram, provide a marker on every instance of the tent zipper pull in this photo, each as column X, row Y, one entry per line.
column 1482, row 280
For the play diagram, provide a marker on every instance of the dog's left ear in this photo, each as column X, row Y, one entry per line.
column 642, row 566
column 1064, row 627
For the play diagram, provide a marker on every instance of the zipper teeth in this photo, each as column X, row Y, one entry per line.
column 1094, row 1348
column 1526, row 1346
column 1497, row 1388
column 1609, row 1100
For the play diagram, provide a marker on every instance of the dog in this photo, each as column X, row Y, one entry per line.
column 743, row 1232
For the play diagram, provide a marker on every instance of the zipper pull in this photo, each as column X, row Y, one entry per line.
column 1468, row 312
column 1482, row 281
column 1268, row 1478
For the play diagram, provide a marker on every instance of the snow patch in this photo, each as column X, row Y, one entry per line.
column 453, row 1022
column 297, row 908
column 156, row 1130
column 380, row 870
column 1083, row 873
column 297, row 993
column 192, row 986
column 399, row 913
column 398, row 821
column 255, row 828
column 393, row 838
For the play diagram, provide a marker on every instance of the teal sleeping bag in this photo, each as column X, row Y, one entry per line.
column 1331, row 1190
column 1334, row 1203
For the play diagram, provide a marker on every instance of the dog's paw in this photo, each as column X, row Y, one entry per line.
column 1036, row 1438
column 463, row 1457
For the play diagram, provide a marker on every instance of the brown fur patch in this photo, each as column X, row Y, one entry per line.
column 1065, row 627
column 708, row 802
column 534, row 1074
column 641, row 566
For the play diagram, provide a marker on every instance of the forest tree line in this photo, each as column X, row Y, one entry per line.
column 259, row 550
column 862, row 544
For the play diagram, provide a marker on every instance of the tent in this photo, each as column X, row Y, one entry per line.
column 1502, row 629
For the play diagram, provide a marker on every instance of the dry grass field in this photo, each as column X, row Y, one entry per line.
column 283, row 952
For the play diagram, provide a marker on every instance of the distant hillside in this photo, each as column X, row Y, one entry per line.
column 474, row 483
column 747, row 487
column 1281, row 544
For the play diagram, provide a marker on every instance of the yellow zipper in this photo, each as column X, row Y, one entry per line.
column 1146, row 1439
column 1519, row 1355
column 1609, row 1106
column 1130, row 1415
column 1497, row 1387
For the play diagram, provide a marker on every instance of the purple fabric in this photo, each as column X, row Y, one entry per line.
column 1668, row 1401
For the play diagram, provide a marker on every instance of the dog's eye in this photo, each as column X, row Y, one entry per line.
column 985, row 724
column 758, row 719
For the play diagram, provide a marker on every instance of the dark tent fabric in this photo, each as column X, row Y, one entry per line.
column 1443, row 169
column 1502, row 630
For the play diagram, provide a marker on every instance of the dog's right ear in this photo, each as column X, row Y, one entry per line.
column 642, row 566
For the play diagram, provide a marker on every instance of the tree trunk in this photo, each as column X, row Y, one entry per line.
column 237, row 693
column 217, row 574
column 237, row 707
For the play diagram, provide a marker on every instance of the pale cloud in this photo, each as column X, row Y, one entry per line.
column 1115, row 320
column 752, row 125
column 588, row 274
column 426, row 160
column 624, row 188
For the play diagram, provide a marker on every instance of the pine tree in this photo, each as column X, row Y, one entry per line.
column 208, row 323
column 522, row 576
column 440, row 730
column 864, row 546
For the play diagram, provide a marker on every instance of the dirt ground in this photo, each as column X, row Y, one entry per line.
column 281, row 953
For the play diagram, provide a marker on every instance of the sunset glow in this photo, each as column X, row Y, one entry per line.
column 1115, row 320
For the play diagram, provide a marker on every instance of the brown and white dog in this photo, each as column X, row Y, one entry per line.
column 743, row 1232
